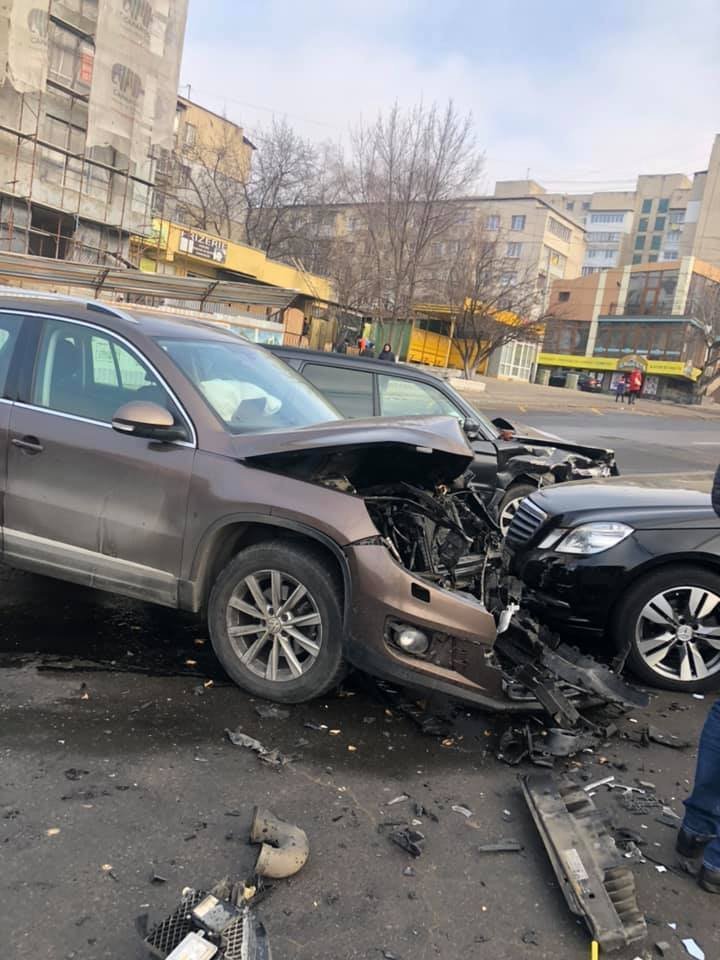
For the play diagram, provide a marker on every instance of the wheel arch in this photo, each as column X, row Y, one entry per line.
column 228, row 536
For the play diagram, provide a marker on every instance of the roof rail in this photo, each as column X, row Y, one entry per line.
column 88, row 302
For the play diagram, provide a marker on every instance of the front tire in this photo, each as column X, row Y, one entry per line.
column 670, row 622
column 509, row 504
column 276, row 624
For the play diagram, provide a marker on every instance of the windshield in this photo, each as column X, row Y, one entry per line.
column 247, row 388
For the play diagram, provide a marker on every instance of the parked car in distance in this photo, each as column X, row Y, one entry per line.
column 513, row 465
column 587, row 382
column 637, row 567
column 159, row 458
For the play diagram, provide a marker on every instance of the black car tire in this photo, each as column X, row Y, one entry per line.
column 293, row 564
column 627, row 614
column 513, row 494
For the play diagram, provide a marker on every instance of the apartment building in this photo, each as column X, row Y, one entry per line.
column 200, row 181
column 87, row 98
column 666, row 217
column 642, row 316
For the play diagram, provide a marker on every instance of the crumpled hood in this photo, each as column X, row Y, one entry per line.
column 421, row 450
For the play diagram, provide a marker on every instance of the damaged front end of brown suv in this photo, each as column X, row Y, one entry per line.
column 427, row 597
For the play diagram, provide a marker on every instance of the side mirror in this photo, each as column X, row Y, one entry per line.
column 140, row 418
column 471, row 429
column 503, row 424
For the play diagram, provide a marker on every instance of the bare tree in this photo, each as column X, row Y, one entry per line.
column 405, row 173
column 290, row 177
column 704, row 307
column 492, row 300
column 207, row 183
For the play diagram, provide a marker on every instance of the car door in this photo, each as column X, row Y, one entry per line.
column 351, row 391
column 10, row 326
column 84, row 502
column 402, row 396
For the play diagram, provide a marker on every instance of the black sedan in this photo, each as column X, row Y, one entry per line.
column 507, row 467
column 638, row 567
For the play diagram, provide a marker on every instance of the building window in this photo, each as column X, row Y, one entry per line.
column 671, row 255
column 639, row 243
column 652, row 258
column 607, row 217
column 586, row 271
column 609, row 254
column 637, row 258
column 564, row 296
column 673, row 236
column 656, row 242
column 465, row 215
column 570, row 205
column 586, row 205
column 518, row 222
column 508, row 278
column 559, row 229
column 651, row 293
column 663, row 206
column 555, row 259
column 677, row 216
column 643, row 225
column 659, row 223
column 190, row 135
column 493, row 222
column 646, row 206
column 591, row 254
column 514, row 249
column 603, row 237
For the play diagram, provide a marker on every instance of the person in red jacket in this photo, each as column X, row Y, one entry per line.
column 634, row 385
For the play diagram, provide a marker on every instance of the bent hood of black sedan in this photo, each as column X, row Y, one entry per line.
column 643, row 508
column 421, row 450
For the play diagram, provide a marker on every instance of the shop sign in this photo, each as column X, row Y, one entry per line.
column 201, row 246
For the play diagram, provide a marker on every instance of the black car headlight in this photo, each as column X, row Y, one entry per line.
column 593, row 538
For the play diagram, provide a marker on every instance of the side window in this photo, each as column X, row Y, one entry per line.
column 350, row 390
column 90, row 374
column 9, row 331
column 400, row 397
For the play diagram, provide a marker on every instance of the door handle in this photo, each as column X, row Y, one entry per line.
column 28, row 444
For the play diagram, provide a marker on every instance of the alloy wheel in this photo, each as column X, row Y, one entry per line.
column 274, row 625
column 507, row 514
column 678, row 633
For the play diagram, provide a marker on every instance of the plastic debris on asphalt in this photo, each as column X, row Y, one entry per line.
column 272, row 757
column 696, row 952
column 463, row 811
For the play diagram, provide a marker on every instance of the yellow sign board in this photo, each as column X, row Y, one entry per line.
column 666, row 368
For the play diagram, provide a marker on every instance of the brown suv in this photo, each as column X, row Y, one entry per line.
column 169, row 460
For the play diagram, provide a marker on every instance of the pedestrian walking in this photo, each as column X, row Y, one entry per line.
column 341, row 345
column 369, row 349
column 620, row 388
column 387, row 354
column 634, row 386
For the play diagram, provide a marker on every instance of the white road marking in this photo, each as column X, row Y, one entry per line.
column 706, row 443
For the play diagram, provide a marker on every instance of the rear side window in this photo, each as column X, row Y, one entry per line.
column 90, row 374
column 350, row 390
column 9, row 330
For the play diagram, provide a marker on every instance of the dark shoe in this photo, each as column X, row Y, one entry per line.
column 690, row 850
column 709, row 879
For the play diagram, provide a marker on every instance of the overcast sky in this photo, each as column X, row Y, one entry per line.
column 583, row 94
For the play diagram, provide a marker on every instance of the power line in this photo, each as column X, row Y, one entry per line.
column 255, row 106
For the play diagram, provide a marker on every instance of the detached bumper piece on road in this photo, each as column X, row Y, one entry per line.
column 205, row 928
column 592, row 874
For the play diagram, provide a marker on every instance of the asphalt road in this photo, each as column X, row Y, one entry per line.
column 644, row 444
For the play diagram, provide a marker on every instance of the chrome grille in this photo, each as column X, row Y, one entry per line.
column 525, row 524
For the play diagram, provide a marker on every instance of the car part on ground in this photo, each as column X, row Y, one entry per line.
column 284, row 847
column 591, row 872
column 237, row 935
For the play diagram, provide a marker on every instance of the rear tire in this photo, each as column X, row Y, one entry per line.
column 292, row 650
column 511, row 501
column 670, row 622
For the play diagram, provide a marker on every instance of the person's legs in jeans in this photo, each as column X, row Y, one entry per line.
column 702, row 808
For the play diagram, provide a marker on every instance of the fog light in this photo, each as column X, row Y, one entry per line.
column 412, row 640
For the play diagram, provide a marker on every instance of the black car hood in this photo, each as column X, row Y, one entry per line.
column 643, row 508
column 419, row 450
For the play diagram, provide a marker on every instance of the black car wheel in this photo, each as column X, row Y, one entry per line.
column 670, row 622
column 276, row 624
column 511, row 501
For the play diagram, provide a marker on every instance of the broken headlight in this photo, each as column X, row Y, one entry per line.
column 593, row 538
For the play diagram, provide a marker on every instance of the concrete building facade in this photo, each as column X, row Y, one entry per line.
column 87, row 94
